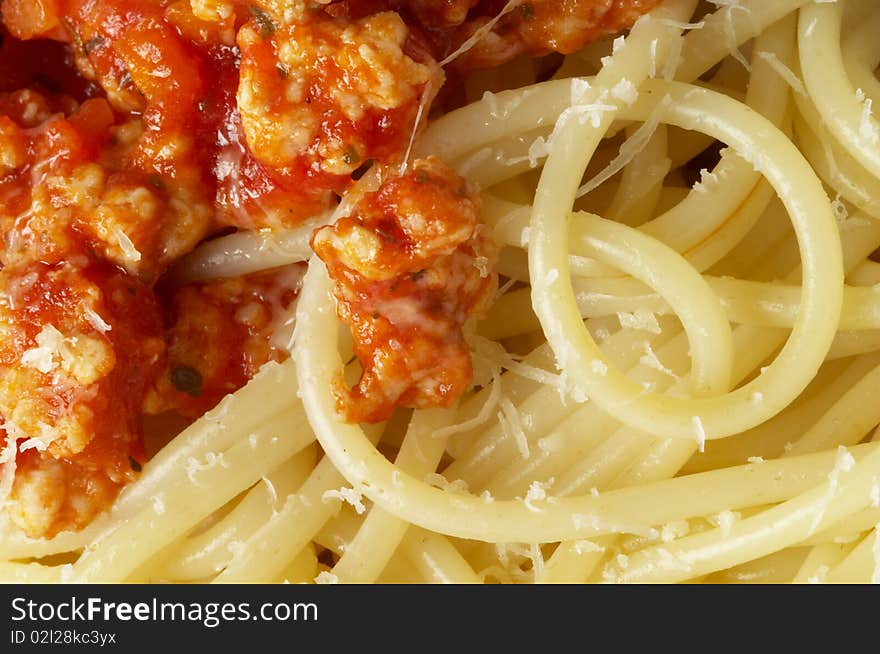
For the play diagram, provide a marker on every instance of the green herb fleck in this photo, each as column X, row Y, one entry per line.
column 77, row 39
column 264, row 22
column 154, row 180
column 93, row 44
column 527, row 11
column 187, row 380
column 385, row 235
column 351, row 156
column 126, row 80
column 421, row 176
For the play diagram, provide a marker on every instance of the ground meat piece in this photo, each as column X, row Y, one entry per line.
column 538, row 27
column 29, row 18
column 317, row 96
column 533, row 27
column 154, row 174
column 78, row 343
column 68, row 183
column 325, row 95
column 50, row 495
column 410, row 267
column 219, row 335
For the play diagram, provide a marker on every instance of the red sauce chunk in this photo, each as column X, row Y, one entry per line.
column 79, row 342
column 69, row 182
column 539, row 27
column 319, row 96
column 219, row 334
column 410, row 266
column 533, row 27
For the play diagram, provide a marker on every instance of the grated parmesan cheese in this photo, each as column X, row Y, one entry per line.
column 482, row 417
column 786, row 73
column 707, row 180
column 50, row 350
column 538, row 493
column 7, row 460
column 725, row 521
column 212, row 460
column 843, row 462
column 346, row 494
column 733, row 41
column 609, row 575
column 325, row 577
column 437, row 480
column 125, row 244
column 496, row 354
column 594, row 112
column 867, row 130
column 586, row 546
column 97, row 321
column 672, row 562
column 477, row 36
column 674, row 530
column 273, row 494
column 427, row 94
column 650, row 360
column 819, row 577
column 511, row 424
column 681, row 25
column 580, row 89
column 552, row 443
column 539, row 149
column 42, row 442
column 699, row 433
column 628, row 149
column 625, row 91
column 640, row 319
column 841, row 213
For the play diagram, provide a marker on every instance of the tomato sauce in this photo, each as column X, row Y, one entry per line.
column 80, row 342
column 131, row 131
column 410, row 267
